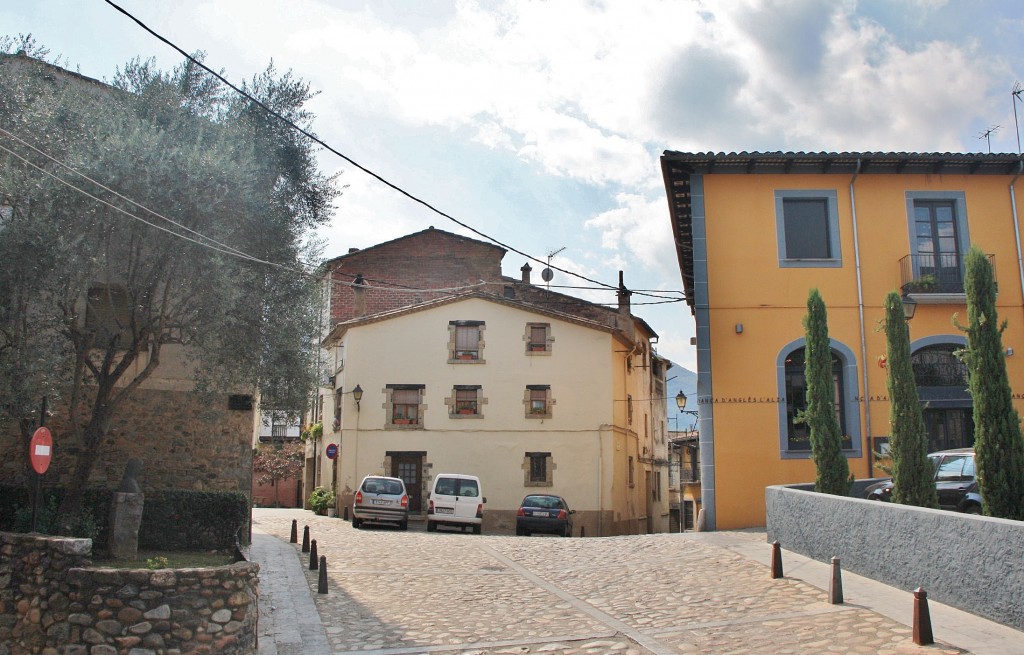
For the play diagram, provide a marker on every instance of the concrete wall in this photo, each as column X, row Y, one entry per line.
column 971, row 562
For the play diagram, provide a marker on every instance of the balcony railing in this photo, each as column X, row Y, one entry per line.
column 688, row 475
column 934, row 274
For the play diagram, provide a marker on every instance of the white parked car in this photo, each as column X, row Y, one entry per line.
column 456, row 500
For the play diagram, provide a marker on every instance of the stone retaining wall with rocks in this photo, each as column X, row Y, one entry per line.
column 51, row 604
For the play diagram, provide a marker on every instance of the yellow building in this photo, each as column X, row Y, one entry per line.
column 756, row 231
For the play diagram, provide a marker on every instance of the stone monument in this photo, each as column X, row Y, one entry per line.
column 126, row 514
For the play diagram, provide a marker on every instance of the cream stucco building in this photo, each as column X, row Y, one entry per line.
column 530, row 390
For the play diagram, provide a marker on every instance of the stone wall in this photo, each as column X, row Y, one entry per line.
column 49, row 604
column 184, row 442
column 972, row 562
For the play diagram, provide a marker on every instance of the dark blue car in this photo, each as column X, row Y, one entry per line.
column 955, row 483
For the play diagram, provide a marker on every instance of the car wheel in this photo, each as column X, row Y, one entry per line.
column 404, row 525
column 356, row 523
column 972, row 509
column 478, row 529
column 520, row 532
column 431, row 526
column 567, row 532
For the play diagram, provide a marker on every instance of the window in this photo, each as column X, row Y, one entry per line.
column 465, row 401
column 405, row 404
column 465, row 341
column 537, row 470
column 108, row 313
column 538, row 338
column 538, row 401
column 630, row 472
column 339, row 397
column 807, row 228
column 938, row 239
column 794, row 434
column 629, row 409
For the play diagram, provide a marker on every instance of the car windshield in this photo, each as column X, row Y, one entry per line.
column 545, row 502
column 378, row 486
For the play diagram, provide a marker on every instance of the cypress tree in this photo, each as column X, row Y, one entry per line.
column 998, row 445
column 833, row 471
column 912, row 473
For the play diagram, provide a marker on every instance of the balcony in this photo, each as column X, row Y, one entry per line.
column 934, row 278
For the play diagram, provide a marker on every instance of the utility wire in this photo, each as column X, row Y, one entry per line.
column 351, row 161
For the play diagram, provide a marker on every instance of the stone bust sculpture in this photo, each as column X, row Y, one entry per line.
column 129, row 483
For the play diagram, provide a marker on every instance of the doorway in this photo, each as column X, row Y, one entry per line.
column 409, row 467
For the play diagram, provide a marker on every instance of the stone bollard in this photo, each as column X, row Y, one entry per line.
column 321, row 587
column 305, row 539
column 312, row 555
column 776, row 560
column 295, row 531
column 835, row 584
column 922, row 619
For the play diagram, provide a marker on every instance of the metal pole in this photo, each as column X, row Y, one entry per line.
column 38, row 476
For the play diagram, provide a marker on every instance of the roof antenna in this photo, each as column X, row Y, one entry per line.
column 987, row 135
column 547, row 274
column 1015, row 96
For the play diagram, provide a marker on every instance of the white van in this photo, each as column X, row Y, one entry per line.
column 456, row 500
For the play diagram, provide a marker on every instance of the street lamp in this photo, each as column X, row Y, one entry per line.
column 357, row 394
column 909, row 306
column 681, row 403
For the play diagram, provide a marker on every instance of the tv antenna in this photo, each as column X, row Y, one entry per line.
column 987, row 135
column 547, row 274
column 1015, row 96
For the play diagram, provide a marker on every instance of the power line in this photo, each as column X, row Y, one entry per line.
column 334, row 151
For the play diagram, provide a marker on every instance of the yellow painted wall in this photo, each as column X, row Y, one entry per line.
column 747, row 286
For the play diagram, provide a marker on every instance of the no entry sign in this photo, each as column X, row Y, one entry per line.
column 40, row 449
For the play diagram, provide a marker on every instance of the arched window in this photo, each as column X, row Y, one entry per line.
column 938, row 366
column 795, row 437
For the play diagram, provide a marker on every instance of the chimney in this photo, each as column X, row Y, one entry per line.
column 623, row 294
column 352, row 250
column 359, row 302
column 526, row 272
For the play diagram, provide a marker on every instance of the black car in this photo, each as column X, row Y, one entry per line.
column 955, row 483
column 544, row 513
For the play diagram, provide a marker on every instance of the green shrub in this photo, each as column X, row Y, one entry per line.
column 321, row 499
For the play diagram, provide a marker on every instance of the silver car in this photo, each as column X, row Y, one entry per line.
column 381, row 500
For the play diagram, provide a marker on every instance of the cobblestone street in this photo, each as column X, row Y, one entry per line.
column 393, row 592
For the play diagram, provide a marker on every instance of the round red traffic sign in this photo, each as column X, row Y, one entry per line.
column 332, row 451
column 40, row 449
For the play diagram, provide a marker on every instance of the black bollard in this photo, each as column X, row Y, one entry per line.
column 583, row 531
column 305, row 539
column 321, row 587
column 312, row 555
column 295, row 531
column 922, row 619
column 835, row 584
column 776, row 560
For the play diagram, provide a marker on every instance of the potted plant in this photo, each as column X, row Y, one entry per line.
column 926, row 283
column 321, row 499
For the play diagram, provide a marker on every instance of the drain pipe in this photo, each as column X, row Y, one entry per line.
column 863, row 337
column 1016, row 222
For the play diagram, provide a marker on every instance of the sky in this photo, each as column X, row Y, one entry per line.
column 540, row 123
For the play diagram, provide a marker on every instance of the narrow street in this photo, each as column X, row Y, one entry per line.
column 393, row 592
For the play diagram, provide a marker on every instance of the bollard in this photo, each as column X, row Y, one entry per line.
column 922, row 619
column 583, row 531
column 295, row 531
column 321, row 587
column 305, row 539
column 776, row 560
column 835, row 585
column 312, row 555
column 346, row 513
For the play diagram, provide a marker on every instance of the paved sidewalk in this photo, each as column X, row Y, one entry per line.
column 401, row 593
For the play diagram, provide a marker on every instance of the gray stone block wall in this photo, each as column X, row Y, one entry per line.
column 971, row 562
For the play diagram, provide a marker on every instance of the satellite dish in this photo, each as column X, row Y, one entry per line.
column 547, row 274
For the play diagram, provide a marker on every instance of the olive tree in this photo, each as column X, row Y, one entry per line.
column 170, row 214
